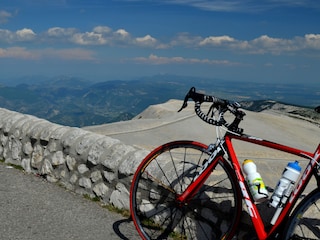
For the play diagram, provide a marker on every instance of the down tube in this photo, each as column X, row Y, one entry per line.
column 252, row 209
column 299, row 188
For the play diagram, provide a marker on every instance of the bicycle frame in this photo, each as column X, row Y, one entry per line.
column 257, row 221
column 223, row 153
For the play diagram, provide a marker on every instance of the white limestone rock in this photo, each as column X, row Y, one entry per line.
column 95, row 176
column 129, row 166
column 85, row 183
column 99, row 147
column 82, row 168
column 37, row 157
column 109, row 176
column 71, row 162
column 27, row 148
column 25, row 163
column 46, row 167
column 114, row 157
column 100, row 189
column 120, row 197
column 58, row 158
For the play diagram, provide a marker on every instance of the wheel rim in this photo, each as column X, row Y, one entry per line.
column 305, row 223
column 157, row 214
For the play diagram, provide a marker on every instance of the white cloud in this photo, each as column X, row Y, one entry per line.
column 266, row 44
column 185, row 39
column 68, row 54
column 260, row 45
column 217, row 41
column 121, row 37
column 100, row 35
column 102, row 29
column 219, row 6
column 104, row 35
column 4, row 16
column 123, row 33
column 312, row 41
column 17, row 53
column 252, row 6
column 89, row 38
column 146, row 41
column 6, row 35
column 156, row 60
column 25, row 34
column 59, row 32
column 36, row 54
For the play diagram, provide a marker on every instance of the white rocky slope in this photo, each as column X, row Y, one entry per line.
column 162, row 123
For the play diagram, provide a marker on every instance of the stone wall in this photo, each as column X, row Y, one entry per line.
column 81, row 161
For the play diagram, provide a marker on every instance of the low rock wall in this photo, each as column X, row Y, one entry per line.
column 81, row 161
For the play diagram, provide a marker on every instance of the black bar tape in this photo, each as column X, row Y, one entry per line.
column 202, row 115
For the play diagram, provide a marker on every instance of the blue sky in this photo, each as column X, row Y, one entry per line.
column 244, row 40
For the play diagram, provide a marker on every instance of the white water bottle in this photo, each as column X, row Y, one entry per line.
column 255, row 182
column 285, row 185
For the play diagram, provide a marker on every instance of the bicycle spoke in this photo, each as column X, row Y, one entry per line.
column 310, row 225
column 163, row 173
column 184, row 170
column 305, row 223
column 157, row 210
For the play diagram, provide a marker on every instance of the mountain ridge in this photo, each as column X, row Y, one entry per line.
column 303, row 113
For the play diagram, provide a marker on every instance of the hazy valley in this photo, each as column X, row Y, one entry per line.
column 78, row 102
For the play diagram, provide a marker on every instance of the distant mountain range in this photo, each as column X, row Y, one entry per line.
column 77, row 102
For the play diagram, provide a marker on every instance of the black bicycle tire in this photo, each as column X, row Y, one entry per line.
column 236, row 210
column 312, row 199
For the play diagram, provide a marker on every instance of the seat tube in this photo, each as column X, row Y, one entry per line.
column 251, row 207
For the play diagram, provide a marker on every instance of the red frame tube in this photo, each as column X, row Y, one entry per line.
column 252, row 209
column 193, row 188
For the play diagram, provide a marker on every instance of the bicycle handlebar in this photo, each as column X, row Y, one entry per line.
column 220, row 104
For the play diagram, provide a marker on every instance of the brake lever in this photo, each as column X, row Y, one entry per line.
column 185, row 103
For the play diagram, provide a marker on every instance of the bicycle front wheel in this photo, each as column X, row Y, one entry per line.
column 214, row 210
column 305, row 220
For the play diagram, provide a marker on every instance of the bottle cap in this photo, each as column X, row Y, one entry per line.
column 246, row 161
column 294, row 165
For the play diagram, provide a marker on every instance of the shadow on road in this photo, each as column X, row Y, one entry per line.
column 121, row 229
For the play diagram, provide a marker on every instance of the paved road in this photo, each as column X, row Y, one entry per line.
column 31, row 208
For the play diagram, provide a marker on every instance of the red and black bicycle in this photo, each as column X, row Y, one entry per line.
column 188, row 190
